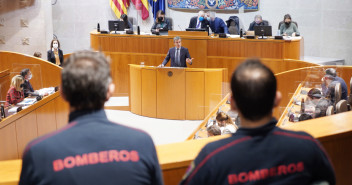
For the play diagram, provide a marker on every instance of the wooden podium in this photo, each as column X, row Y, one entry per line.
column 175, row 93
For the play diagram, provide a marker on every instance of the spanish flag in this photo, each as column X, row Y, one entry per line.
column 119, row 7
column 143, row 6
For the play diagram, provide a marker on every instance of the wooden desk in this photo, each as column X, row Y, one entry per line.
column 207, row 52
column 175, row 93
column 5, row 82
column 47, row 115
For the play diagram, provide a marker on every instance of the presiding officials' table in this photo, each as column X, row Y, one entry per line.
column 208, row 52
column 175, row 93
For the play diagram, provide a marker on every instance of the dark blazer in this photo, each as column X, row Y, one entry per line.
column 183, row 55
column 51, row 57
column 163, row 25
column 28, row 89
column 263, row 23
column 193, row 23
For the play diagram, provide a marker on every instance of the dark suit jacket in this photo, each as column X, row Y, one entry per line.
column 193, row 23
column 183, row 55
column 51, row 57
column 28, row 89
column 263, row 23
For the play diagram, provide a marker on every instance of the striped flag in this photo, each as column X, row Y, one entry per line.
column 143, row 6
column 157, row 5
column 119, row 7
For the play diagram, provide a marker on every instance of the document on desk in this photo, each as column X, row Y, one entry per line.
column 49, row 90
column 13, row 109
column 27, row 101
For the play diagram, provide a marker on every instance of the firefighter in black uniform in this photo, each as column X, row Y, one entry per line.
column 259, row 152
column 90, row 149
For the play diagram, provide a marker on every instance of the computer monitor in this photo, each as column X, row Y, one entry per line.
column 195, row 29
column 116, row 25
column 262, row 31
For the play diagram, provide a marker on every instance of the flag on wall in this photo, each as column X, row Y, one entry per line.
column 143, row 6
column 157, row 5
column 119, row 7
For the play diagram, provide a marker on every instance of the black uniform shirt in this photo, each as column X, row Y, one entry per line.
column 264, row 155
column 91, row 150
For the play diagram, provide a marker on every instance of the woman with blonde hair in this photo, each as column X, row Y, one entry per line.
column 225, row 123
column 15, row 93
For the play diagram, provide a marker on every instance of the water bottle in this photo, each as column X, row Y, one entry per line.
column 3, row 111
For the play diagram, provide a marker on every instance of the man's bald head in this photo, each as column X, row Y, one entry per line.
column 253, row 87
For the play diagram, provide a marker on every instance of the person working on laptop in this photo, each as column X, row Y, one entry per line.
column 161, row 22
column 258, row 21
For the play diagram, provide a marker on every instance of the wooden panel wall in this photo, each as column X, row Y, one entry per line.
column 39, row 119
column 207, row 52
column 5, row 82
column 174, row 93
column 50, row 74
column 288, row 81
column 195, row 88
column 149, row 96
column 170, row 103
column 136, row 91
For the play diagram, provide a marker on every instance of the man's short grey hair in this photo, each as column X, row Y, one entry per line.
column 331, row 71
column 258, row 16
column 212, row 14
column 200, row 13
column 177, row 38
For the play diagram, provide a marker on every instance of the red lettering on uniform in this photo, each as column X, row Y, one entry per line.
column 69, row 162
column 58, row 165
column 103, row 157
column 300, row 167
column 124, row 155
column 272, row 171
column 281, row 170
column 232, row 179
column 291, row 168
column 134, row 156
column 81, row 160
column 113, row 155
column 93, row 158
column 264, row 173
column 242, row 177
column 254, row 176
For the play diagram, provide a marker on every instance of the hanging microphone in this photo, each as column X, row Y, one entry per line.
column 179, row 27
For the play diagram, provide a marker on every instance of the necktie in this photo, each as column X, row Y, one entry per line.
column 178, row 57
column 198, row 25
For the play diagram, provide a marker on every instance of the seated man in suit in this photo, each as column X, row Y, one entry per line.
column 259, row 152
column 217, row 25
column 258, row 21
column 330, row 76
column 27, row 86
column 179, row 55
column 199, row 22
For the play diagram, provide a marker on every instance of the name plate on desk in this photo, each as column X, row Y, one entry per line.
column 188, row 33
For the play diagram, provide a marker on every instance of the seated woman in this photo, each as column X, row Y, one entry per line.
column 289, row 28
column 15, row 93
column 128, row 24
column 225, row 123
column 161, row 22
column 55, row 54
